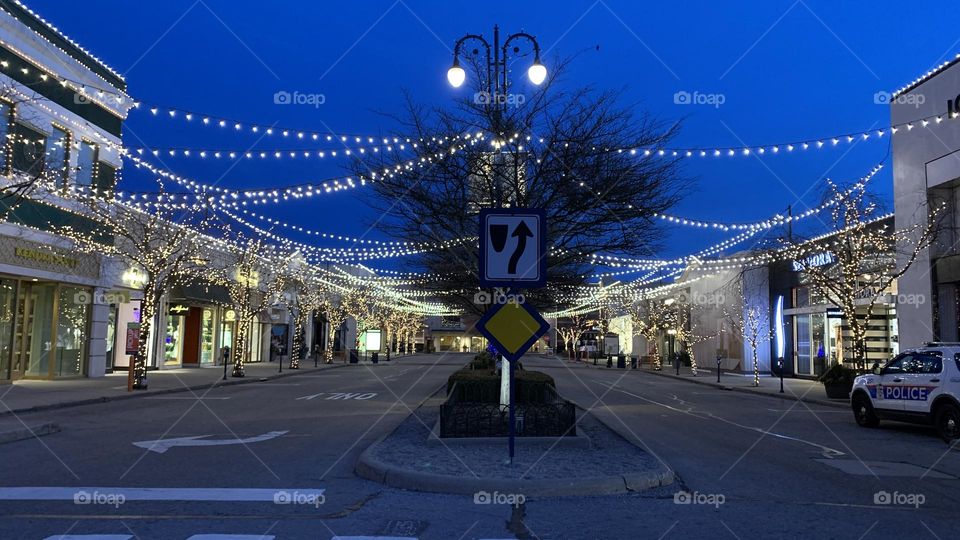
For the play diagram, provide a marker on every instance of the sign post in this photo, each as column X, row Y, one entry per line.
column 131, row 348
column 512, row 254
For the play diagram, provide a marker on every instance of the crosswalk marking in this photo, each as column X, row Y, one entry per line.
column 83, row 494
column 373, row 538
column 231, row 537
column 89, row 537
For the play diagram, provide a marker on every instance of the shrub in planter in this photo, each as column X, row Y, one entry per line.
column 837, row 381
column 483, row 386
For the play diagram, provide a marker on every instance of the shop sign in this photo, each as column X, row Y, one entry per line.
column 178, row 309
column 133, row 338
column 39, row 256
column 813, row 261
column 953, row 106
column 46, row 257
column 229, row 315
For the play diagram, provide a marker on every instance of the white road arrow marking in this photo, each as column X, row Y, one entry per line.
column 160, row 446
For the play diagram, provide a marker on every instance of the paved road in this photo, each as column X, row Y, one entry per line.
column 769, row 467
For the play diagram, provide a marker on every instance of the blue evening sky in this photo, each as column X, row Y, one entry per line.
column 786, row 70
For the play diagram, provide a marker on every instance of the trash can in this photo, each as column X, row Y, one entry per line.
column 633, row 362
column 354, row 356
column 375, row 357
column 621, row 361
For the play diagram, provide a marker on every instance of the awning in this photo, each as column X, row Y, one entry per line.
column 202, row 292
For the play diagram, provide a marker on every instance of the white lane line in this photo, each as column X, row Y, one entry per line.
column 186, row 397
column 827, row 451
column 88, row 494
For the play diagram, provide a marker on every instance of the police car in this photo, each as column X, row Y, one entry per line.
column 918, row 385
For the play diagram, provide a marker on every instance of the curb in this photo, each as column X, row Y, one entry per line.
column 136, row 394
column 785, row 396
column 373, row 469
column 28, row 432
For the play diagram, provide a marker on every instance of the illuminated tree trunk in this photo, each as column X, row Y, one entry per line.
column 299, row 322
column 240, row 351
column 693, row 359
column 756, row 364
column 328, row 350
column 657, row 365
column 858, row 335
column 148, row 313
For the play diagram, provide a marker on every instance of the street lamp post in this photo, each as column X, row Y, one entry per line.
column 496, row 64
column 496, row 101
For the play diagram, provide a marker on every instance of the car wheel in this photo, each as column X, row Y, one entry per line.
column 947, row 420
column 863, row 411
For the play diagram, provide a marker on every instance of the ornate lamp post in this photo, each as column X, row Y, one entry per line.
column 496, row 64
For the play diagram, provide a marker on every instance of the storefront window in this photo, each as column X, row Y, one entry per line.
column 818, row 346
column 111, row 336
column 72, row 332
column 255, row 340
column 835, row 326
column 804, row 363
column 206, row 337
column 173, row 342
column 8, row 296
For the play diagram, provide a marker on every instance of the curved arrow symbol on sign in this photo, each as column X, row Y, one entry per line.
column 522, row 232
column 162, row 445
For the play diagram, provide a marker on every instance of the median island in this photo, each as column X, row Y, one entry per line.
column 456, row 442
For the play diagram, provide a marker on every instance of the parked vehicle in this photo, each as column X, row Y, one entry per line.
column 920, row 386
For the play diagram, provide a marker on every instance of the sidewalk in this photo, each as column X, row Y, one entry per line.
column 36, row 395
column 793, row 389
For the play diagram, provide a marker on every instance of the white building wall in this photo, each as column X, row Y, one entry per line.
column 923, row 158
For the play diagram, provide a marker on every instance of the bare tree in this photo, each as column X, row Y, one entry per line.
column 567, row 152
column 853, row 267
column 650, row 317
column 162, row 246
column 360, row 305
column 309, row 295
column 753, row 324
column 685, row 319
column 336, row 314
column 255, row 280
column 571, row 333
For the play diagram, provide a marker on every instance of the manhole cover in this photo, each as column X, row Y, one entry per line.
column 882, row 468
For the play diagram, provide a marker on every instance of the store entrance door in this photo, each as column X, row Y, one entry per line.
column 191, row 337
column 33, row 333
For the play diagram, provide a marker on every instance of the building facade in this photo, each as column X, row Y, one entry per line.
column 926, row 174
column 61, row 111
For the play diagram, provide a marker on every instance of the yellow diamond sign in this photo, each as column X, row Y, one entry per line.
column 512, row 328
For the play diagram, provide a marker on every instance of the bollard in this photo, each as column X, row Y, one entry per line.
column 780, row 365
column 718, row 368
